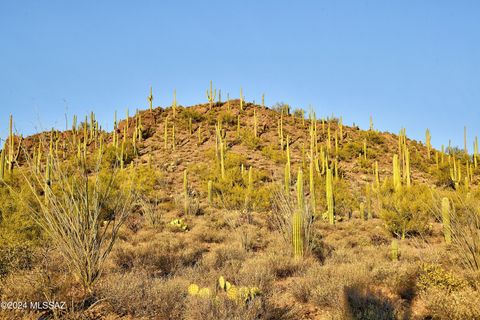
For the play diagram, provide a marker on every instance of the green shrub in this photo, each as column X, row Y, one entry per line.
column 405, row 213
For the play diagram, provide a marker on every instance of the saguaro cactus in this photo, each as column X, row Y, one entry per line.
column 447, row 230
column 248, row 196
column 394, row 250
column 397, row 182
column 428, row 143
column 150, row 99
column 329, row 193
column 211, row 95
column 165, row 134
column 313, row 202
column 241, row 99
column 12, row 154
column 174, row 104
column 297, row 219
column 287, row 169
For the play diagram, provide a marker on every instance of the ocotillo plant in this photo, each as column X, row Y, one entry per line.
column 329, row 193
column 150, row 99
column 211, row 95
column 297, row 219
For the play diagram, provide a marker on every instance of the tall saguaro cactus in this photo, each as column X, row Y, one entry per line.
column 211, row 95
column 150, row 99
column 397, row 182
column 287, row 169
column 329, row 193
column 428, row 143
column 297, row 219
column 12, row 153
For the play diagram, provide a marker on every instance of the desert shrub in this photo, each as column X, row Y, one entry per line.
column 273, row 153
column 227, row 118
column 406, row 212
column 344, row 199
column 248, row 138
column 456, row 305
column 112, row 155
column 281, row 107
column 442, row 176
column 222, row 308
column 434, row 276
column 362, row 302
column 159, row 257
column 15, row 257
column 190, row 113
column 151, row 211
column 138, row 295
column 299, row 113
column 351, row 149
column 374, row 137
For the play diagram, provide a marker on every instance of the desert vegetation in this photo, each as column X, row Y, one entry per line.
column 235, row 210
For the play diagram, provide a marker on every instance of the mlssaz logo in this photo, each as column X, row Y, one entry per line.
column 47, row 305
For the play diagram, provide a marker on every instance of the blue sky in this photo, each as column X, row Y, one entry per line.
column 412, row 64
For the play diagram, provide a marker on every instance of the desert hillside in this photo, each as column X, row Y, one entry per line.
column 236, row 210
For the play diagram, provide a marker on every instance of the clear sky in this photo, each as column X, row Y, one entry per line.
column 409, row 63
